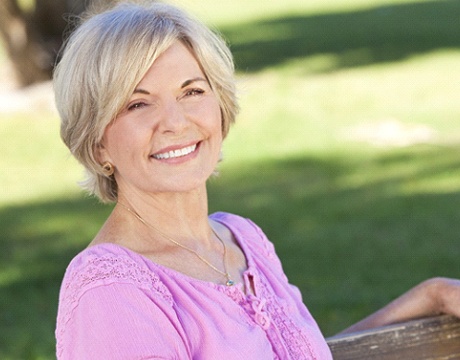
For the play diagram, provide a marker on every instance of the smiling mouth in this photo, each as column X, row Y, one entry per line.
column 175, row 153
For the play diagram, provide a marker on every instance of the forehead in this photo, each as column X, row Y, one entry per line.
column 175, row 65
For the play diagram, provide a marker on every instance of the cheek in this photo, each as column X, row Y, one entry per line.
column 111, row 140
column 207, row 118
column 118, row 140
column 215, row 116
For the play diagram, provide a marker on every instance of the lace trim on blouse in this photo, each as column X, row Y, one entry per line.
column 269, row 311
column 105, row 270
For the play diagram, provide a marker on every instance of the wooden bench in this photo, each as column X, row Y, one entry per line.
column 429, row 338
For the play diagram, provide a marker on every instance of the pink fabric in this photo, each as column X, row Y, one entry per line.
column 116, row 304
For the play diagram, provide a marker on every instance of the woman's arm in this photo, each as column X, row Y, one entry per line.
column 432, row 297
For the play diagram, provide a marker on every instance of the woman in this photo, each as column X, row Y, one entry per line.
column 146, row 95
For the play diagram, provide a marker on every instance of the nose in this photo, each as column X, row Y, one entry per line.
column 174, row 119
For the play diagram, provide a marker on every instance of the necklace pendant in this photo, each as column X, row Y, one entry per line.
column 230, row 282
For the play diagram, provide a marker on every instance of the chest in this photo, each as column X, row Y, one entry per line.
column 264, row 325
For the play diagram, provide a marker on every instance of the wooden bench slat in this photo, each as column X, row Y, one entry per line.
column 424, row 339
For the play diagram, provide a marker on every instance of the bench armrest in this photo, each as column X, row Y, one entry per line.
column 429, row 338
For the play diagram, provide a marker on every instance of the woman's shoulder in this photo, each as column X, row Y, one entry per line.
column 109, row 264
column 236, row 223
column 248, row 234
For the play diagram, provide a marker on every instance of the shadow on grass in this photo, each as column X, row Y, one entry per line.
column 37, row 243
column 349, row 245
column 358, row 38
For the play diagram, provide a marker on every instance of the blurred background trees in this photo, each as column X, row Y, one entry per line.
column 32, row 33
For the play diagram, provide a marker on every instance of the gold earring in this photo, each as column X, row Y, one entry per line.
column 108, row 169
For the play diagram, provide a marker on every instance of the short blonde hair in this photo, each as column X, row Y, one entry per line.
column 108, row 55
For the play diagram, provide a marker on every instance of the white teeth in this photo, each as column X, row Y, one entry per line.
column 175, row 153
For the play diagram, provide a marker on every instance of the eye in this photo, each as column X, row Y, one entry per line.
column 194, row 92
column 137, row 105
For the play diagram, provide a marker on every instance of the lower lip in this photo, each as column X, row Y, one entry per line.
column 180, row 159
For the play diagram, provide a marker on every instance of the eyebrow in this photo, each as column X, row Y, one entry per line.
column 188, row 82
column 141, row 91
column 184, row 84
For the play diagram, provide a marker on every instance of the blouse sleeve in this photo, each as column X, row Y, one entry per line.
column 119, row 321
column 113, row 307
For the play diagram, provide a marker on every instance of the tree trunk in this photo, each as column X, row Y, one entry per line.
column 25, row 53
column 32, row 38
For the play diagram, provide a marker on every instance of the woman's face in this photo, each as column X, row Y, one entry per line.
column 168, row 136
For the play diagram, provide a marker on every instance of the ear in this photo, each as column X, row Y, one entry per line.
column 100, row 153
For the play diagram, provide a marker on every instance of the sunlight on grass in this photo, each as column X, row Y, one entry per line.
column 35, row 163
column 295, row 113
column 230, row 12
column 10, row 276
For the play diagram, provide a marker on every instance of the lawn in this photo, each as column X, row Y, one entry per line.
column 345, row 153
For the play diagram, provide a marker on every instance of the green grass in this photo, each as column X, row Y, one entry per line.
column 355, row 224
column 35, row 163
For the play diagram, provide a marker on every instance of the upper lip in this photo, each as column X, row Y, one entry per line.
column 174, row 147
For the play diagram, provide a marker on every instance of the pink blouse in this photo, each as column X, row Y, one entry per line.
column 117, row 304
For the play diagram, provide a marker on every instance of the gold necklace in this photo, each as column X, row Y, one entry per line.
column 229, row 282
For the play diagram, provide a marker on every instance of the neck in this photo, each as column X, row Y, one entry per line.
column 183, row 216
column 224, row 272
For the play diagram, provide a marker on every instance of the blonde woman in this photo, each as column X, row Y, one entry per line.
column 146, row 95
